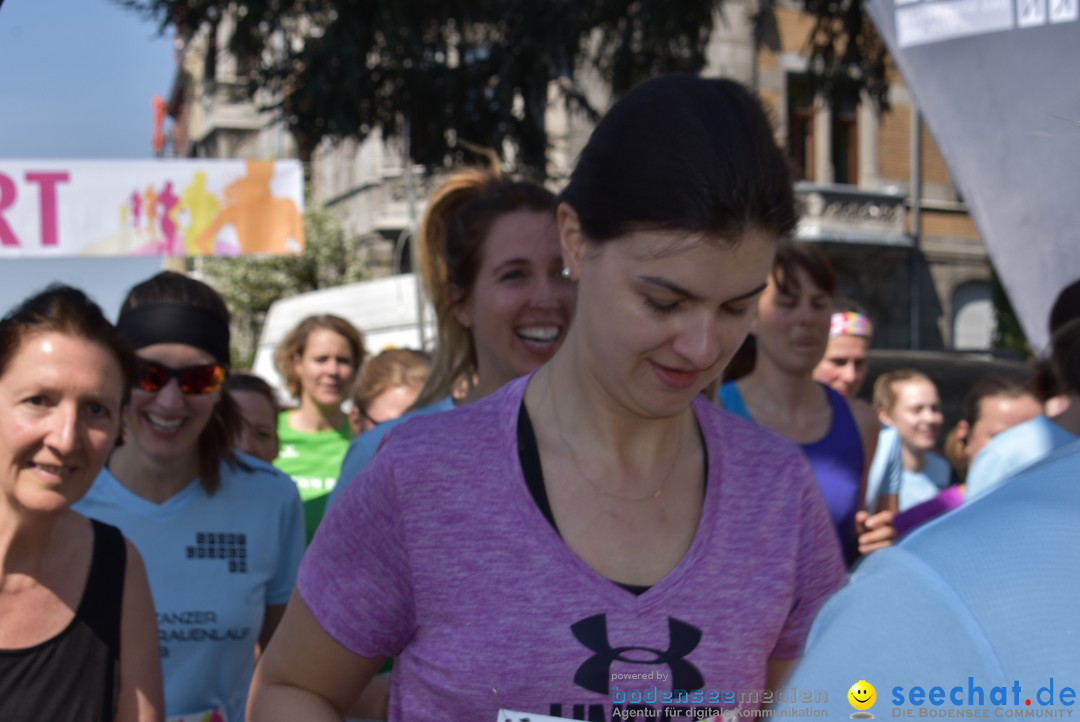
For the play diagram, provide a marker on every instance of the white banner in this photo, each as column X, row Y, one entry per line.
column 996, row 81
column 153, row 207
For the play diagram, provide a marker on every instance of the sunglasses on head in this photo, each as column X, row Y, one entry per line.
column 194, row 380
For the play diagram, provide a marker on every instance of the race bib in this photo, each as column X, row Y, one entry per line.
column 507, row 715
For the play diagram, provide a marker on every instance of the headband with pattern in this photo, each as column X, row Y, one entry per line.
column 850, row 323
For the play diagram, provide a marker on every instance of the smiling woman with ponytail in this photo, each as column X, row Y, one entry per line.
column 490, row 263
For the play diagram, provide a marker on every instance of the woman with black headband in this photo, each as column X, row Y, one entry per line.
column 221, row 532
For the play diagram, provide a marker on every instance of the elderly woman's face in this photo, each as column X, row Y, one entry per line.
column 60, row 404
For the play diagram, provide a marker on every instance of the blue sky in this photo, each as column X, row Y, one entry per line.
column 77, row 77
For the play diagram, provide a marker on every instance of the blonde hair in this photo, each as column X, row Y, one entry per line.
column 390, row 369
column 450, row 247
column 885, row 387
column 292, row 346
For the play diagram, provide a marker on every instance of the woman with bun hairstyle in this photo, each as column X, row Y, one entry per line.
column 490, row 263
column 77, row 634
column 510, row 552
column 221, row 531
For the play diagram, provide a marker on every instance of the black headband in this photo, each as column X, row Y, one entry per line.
column 177, row 323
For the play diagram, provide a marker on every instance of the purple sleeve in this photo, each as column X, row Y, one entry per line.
column 819, row 565
column 919, row 514
column 356, row 576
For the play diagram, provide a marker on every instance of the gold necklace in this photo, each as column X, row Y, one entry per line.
column 596, row 487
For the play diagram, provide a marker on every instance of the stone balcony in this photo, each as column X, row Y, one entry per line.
column 846, row 214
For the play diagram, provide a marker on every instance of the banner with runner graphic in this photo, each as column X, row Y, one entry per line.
column 154, row 207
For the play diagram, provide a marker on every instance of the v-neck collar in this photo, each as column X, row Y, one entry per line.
column 144, row 506
column 540, row 530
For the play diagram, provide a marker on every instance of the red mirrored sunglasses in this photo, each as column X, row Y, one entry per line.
column 152, row 376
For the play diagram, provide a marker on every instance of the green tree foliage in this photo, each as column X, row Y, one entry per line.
column 846, row 52
column 251, row 284
column 477, row 71
column 480, row 70
column 1008, row 333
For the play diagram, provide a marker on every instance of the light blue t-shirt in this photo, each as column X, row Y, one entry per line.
column 919, row 486
column 215, row 563
column 364, row 446
column 988, row 591
column 1011, row 451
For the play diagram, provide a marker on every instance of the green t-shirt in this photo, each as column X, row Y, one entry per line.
column 314, row 462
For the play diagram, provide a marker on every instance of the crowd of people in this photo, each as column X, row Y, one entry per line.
column 637, row 446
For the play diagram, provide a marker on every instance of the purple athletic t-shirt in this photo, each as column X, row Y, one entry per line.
column 438, row 555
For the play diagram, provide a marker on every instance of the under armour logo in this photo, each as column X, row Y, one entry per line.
column 595, row 673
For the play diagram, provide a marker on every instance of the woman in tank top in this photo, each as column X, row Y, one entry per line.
column 780, row 393
column 77, row 635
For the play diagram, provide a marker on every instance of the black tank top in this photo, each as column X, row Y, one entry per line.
column 74, row 676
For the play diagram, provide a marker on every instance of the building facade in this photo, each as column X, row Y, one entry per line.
column 925, row 276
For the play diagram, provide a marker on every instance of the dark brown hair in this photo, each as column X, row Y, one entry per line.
column 69, row 311
column 1065, row 356
column 254, row 384
column 684, row 154
column 987, row 387
column 792, row 256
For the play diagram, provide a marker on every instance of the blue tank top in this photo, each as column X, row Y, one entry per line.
column 837, row 460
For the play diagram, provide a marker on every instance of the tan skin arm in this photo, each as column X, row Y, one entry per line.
column 271, row 620
column 777, row 672
column 374, row 701
column 140, row 697
column 873, row 531
column 305, row 674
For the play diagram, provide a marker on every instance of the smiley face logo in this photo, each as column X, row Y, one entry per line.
column 862, row 696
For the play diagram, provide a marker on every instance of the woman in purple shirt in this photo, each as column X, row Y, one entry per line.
column 595, row 536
